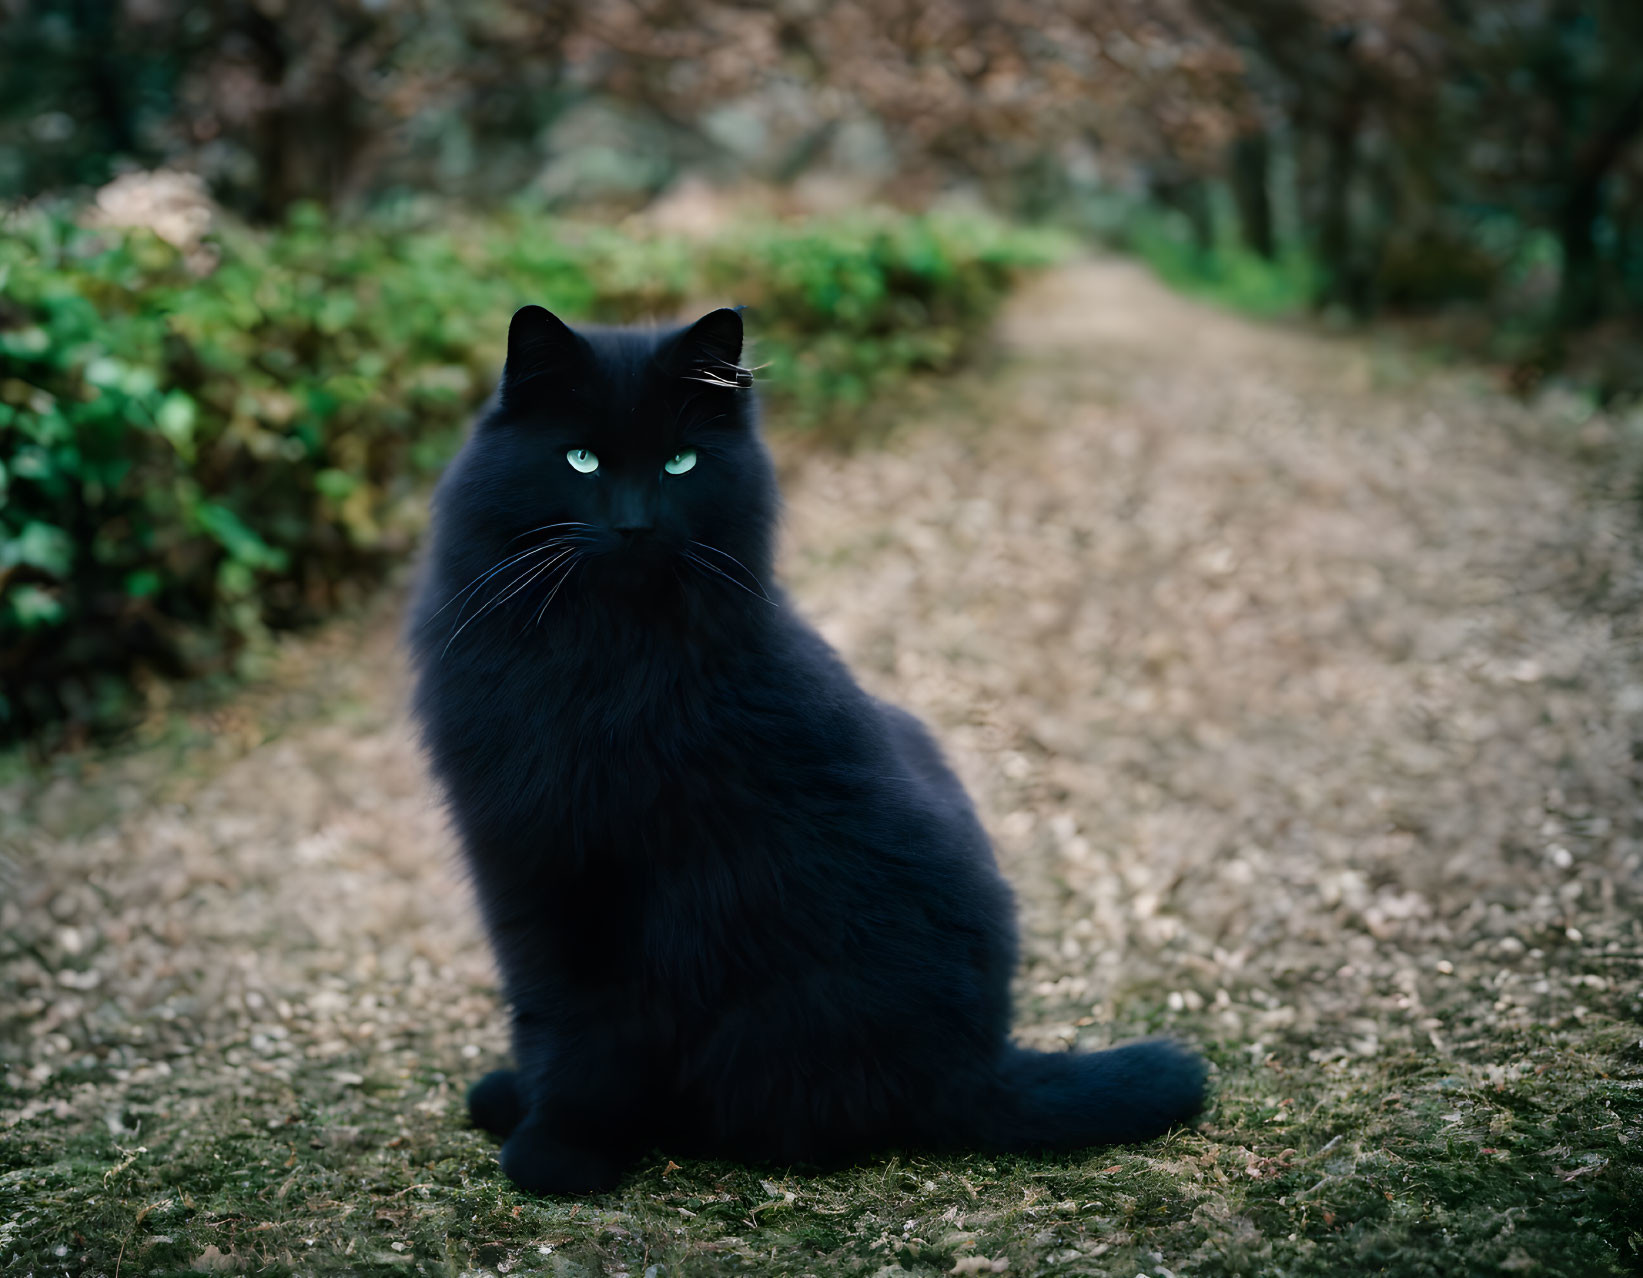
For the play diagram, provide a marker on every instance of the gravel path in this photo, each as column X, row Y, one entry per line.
column 1294, row 686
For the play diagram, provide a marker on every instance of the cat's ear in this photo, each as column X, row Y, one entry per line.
column 710, row 350
column 540, row 345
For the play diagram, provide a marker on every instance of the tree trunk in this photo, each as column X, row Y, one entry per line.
column 1251, row 168
column 97, row 40
column 1189, row 197
column 1580, row 293
column 1579, row 300
column 1335, row 227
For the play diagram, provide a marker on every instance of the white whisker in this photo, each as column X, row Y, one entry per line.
column 702, row 563
column 496, row 603
column 563, row 578
column 753, row 575
column 491, row 572
column 569, row 523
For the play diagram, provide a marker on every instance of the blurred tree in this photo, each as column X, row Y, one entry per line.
column 1552, row 102
column 1418, row 151
column 1415, row 122
column 277, row 100
column 77, row 88
column 1251, row 173
column 281, row 100
column 983, row 90
column 1339, row 77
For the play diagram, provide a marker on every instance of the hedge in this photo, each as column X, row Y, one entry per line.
column 188, row 462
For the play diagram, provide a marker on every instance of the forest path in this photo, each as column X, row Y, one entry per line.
column 1290, row 682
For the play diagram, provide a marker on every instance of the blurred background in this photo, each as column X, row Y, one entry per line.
column 258, row 256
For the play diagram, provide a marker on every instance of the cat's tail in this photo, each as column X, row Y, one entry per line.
column 1069, row 1100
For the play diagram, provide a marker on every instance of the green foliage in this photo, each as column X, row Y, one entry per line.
column 1226, row 272
column 187, row 461
column 842, row 309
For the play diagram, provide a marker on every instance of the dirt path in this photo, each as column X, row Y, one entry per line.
column 1295, row 690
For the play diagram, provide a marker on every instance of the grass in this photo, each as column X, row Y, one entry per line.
column 1516, row 1155
column 1226, row 274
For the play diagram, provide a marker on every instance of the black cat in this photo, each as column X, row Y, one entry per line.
column 741, row 909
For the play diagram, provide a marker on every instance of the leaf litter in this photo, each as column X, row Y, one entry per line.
column 1299, row 687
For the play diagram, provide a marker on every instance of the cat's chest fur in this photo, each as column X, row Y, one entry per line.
column 660, row 824
column 639, row 760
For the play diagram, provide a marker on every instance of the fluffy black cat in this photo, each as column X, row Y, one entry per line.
column 741, row 908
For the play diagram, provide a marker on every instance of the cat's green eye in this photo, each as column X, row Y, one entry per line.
column 582, row 461
column 679, row 463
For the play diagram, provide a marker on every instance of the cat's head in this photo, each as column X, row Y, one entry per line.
column 618, row 459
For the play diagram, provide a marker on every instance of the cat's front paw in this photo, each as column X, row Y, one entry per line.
column 538, row 1162
column 495, row 1102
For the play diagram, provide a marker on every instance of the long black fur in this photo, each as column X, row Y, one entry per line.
column 740, row 907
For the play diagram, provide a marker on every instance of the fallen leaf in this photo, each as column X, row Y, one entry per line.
column 213, row 1260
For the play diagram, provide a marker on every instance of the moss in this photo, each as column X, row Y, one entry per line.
column 1404, row 1166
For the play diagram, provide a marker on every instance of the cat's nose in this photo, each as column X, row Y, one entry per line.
column 632, row 515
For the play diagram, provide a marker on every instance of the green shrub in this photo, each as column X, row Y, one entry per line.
column 187, row 462
column 1227, row 273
